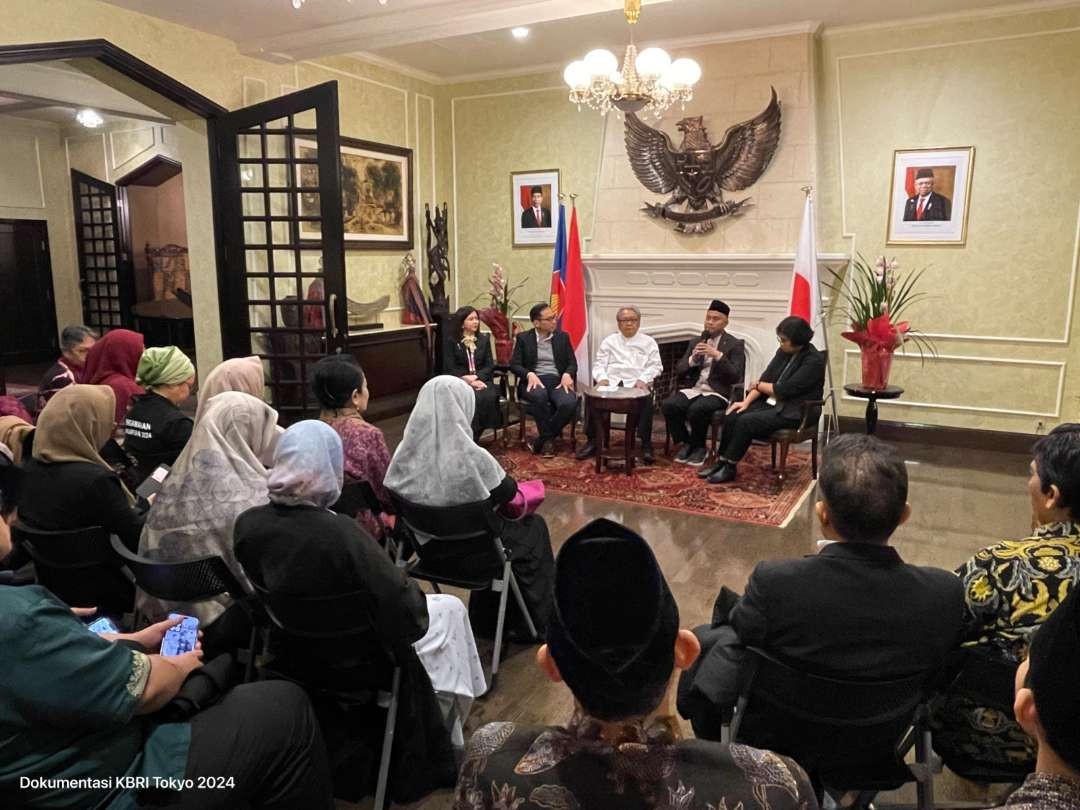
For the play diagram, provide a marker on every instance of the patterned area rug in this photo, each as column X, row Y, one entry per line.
column 754, row 497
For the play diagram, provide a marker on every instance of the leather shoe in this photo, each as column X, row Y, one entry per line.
column 537, row 445
column 647, row 454
column 585, row 452
column 711, row 469
column 726, row 474
column 548, row 449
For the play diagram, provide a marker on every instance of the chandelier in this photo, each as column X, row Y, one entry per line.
column 648, row 81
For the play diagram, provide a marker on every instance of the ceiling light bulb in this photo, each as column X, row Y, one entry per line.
column 601, row 62
column 520, row 32
column 89, row 118
column 576, row 75
column 652, row 62
column 685, row 72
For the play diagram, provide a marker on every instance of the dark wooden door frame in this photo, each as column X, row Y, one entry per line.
column 43, row 251
column 153, row 79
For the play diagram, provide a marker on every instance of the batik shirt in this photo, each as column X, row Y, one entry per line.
column 510, row 767
column 1043, row 791
column 1012, row 587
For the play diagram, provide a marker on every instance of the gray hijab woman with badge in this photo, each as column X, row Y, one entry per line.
column 438, row 464
column 218, row 476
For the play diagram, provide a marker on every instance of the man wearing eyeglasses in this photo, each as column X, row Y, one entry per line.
column 545, row 366
column 631, row 359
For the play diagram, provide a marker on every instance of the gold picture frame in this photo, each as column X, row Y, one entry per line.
column 930, row 196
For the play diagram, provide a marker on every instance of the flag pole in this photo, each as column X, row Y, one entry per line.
column 834, row 423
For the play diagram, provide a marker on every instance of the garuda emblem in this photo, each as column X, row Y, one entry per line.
column 697, row 173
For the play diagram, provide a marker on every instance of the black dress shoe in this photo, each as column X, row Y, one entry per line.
column 647, row 454
column 711, row 469
column 548, row 448
column 537, row 445
column 726, row 474
column 585, row 452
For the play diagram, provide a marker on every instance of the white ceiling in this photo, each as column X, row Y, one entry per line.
column 452, row 39
column 53, row 91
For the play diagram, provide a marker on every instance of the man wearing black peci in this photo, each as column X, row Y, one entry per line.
column 537, row 216
column 795, row 374
column 708, row 371
column 544, row 363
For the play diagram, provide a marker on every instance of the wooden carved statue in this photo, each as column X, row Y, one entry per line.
column 438, row 255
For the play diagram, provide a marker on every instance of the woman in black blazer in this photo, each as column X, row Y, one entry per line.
column 470, row 359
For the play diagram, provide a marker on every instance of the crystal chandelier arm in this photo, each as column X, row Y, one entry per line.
column 747, row 148
column 651, row 155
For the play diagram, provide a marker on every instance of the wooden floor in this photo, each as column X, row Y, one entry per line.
column 961, row 500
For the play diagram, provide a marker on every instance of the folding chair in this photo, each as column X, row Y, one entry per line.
column 358, row 496
column 194, row 580
column 79, row 566
column 474, row 558
column 342, row 616
column 849, row 735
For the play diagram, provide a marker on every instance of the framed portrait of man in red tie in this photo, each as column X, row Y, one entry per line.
column 534, row 207
column 928, row 201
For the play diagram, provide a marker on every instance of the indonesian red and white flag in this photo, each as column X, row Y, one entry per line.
column 805, row 290
column 575, row 315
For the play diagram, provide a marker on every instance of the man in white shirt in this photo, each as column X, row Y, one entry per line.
column 631, row 359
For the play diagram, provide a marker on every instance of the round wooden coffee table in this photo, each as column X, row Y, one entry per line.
column 601, row 405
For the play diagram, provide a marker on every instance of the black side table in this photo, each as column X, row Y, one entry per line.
column 872, row 395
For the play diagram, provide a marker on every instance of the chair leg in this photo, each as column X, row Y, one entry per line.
column 387, row 742
column 813, row 457
column 772, row 448
column 924, row 786
column 784, row 446
column 504, row 591
column 521, row 605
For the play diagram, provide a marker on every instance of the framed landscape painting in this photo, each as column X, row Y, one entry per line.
column 376, row 194
column 928, row 202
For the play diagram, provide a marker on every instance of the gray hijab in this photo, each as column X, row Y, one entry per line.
column 308, row 466
column 437, row 462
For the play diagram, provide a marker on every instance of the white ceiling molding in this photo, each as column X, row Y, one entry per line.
column 424, row 24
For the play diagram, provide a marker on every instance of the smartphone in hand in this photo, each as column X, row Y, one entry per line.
column 180, row 638
column 102, row 625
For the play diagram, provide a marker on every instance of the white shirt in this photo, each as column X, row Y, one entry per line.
column 702, row 387
column 627, row 360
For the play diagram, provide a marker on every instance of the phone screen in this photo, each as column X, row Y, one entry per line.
column 102, row 625
column 181, row 638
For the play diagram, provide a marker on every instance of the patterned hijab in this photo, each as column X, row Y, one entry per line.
column 437, row 462
column 218, row 476
column 13, row 432
column 238, row 374
column 308, row 466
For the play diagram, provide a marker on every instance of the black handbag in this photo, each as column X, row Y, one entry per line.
column 201, row 689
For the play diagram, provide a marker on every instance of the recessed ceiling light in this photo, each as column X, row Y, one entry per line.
column 89, row 118
column 520, row 32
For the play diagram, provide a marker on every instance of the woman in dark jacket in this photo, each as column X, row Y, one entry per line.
column 68, row 485
column 295, row 545
column 470, row 359
column 155, row 429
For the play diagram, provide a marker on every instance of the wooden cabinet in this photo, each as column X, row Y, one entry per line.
column 395, row 364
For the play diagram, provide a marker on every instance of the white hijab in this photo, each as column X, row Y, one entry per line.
column 308, row 466
column 218, row 476
column 437, row 462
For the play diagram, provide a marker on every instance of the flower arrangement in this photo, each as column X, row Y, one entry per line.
column 497, row 315
column 873, row 299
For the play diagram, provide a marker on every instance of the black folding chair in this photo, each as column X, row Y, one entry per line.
column 342, row 616
column 195, row 580
column 849, row 735
column 473, row 559
column 79, row 566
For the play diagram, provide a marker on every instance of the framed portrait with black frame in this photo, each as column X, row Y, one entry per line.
column 376, row 194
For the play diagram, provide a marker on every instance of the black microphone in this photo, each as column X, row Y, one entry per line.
column 705, row 335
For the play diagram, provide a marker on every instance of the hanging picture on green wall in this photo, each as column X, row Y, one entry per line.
column 376, row 194
column 928, row 204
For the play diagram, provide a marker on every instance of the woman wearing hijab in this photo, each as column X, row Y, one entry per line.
column 296, row 545
column 155, row 429
column 68, row 485
column 471, row 360
column 244, row 374
column 439, row 464
column 218, row 476
column 339, row 386
column 113, row 361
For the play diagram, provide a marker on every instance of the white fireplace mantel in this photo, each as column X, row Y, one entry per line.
column 674, row 290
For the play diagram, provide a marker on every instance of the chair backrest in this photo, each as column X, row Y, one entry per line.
column 187, row 581
column 356, row 496
column 78, row 565
column 847, row 729
column 452, row 534
column 319, row 617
